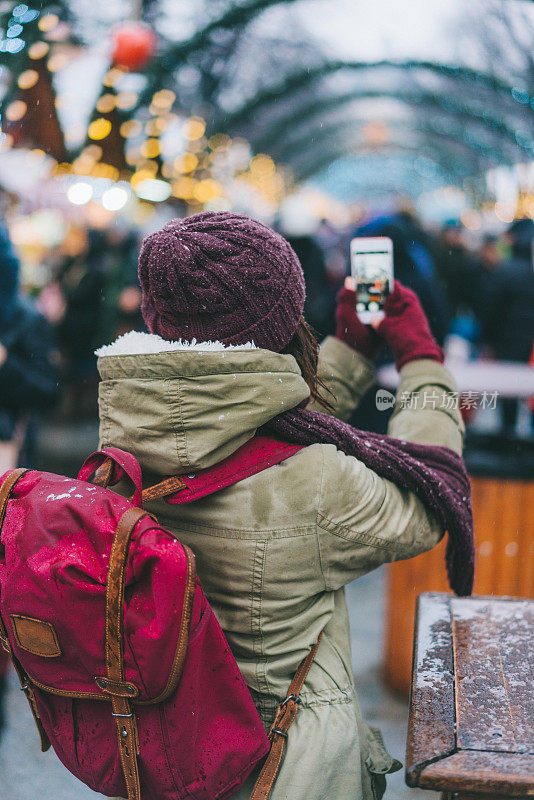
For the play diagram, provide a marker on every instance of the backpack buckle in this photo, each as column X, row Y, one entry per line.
column 294, row 697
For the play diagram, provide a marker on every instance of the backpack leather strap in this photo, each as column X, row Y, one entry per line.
column 285, row 715
column 5, row 490
column 25, row 685
column 114, row 683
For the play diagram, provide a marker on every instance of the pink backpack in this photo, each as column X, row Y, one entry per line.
column 125, row 667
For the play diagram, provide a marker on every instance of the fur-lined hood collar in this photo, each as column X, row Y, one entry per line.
column 136, row 343
column 180, row 407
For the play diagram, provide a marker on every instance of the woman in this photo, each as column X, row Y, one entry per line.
column 275, row 551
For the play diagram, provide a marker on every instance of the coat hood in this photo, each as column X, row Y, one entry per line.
column 181, row 407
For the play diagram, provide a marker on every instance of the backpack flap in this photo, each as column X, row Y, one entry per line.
column 53, row 590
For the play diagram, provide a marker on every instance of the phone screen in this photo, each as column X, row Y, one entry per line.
column 372, row 270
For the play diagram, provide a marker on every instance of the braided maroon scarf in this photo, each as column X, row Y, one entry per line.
column 437, row 475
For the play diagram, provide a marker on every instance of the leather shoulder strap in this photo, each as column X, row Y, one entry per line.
column 285, row 715
column 5, row 491
column 121, row 693
column 254, row 456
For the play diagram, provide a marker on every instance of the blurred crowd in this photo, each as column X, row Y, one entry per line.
column 479, row 300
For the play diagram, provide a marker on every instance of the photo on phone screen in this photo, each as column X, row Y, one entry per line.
column 372, row 270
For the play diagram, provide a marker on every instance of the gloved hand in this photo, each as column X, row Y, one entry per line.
column 350, row 329
column 405, row 328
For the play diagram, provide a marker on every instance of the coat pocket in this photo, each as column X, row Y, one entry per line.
column 378, row 762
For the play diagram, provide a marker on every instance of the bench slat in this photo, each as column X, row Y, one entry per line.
column 494, row 680
column 471, row 725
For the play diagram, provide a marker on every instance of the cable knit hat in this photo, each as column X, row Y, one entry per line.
column 221, row 276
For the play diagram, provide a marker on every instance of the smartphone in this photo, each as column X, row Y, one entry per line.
column 371, row 262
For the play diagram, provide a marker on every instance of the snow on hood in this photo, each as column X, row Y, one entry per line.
column 137, row 343
column 180, row 407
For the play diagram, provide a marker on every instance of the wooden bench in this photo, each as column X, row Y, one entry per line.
column 471, row 725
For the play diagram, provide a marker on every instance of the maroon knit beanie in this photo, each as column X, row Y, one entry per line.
column 221, row 276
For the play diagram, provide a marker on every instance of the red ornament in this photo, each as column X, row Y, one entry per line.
column 133, row 45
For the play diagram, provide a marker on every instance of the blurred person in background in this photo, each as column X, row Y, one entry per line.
column 300, row 228
column 122, row 293
column 455, row 267
column 508, row 315
column 28, row 377
column 82, row 281
column 419, row 243
column 487, row 263
column 489, row 257
column 333, row 243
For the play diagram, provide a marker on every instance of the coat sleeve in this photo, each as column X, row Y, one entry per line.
column 427, row 406
column 346, row 374
column 365, row 520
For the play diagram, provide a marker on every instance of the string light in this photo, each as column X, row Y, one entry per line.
column 153, row 189
column 194, row 128
column 47, row 22
column 108, row 171
column 28, row 78
column 155, row 127
column 139, row 176
column 132, row 127
column 99, row 128
column 16, row 110
column 126, row 100
column 163, row 99
column 38, row 50
column 150, row 148
column 115, row 198
column 105, row 103
column 112, row 76
column 57, row 62
column 262, row 165
column 505, row 211
column 80, row 193
column 184, row 188
column 186, row 163
column 207, row 190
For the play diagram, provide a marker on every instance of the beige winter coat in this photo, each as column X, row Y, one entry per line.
column 275, row 551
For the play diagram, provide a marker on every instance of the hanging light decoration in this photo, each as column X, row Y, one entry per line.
column 133, row 45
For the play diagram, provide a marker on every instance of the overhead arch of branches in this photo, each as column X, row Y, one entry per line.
column 337, row 150
column 272, row 134
column 297, row 80
column 472, row 156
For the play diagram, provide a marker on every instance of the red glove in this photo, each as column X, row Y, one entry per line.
column 351, row 330
column 405, row 328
